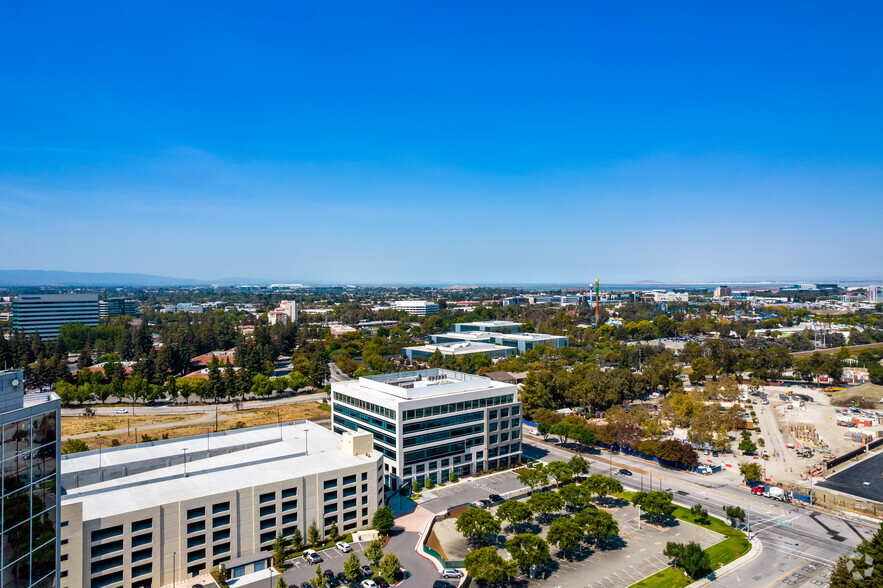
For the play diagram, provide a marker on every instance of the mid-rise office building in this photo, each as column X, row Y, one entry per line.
column 30, row 523
column 457, row 349
column 875, row 293
column 487, row 327
column 416, row 307
column 153, row 514
column 430, row 423
column 111, row 307
column 520, row 342
column 45, row 313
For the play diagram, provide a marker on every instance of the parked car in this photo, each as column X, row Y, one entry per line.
column 343, row 547
column 476, row 504
column 495, row 498
column 367, row 571
column 121, row 411
column 342, row 577
column 451, row 573
column 311, row 557
column 368, row 584
column 381, row 583
column 442, row 584
column 306, row 585
column 331, row 580
column 714, row 454
column 624, row 472
column 485, row 502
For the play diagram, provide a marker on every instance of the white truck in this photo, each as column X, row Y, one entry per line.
column 777, row 493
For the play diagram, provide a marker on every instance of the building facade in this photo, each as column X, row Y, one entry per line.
column 457, row 349
column 30, row 521
column 112, row 307
column 875, row 293
column 488, row 327
column 153, row 514
column 520, row 342
column 45, row 313
column 416, row 307
column 431, row 423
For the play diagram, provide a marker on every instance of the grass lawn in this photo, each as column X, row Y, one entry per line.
column 733, row 547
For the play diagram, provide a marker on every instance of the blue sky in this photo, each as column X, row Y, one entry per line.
column 453, row 142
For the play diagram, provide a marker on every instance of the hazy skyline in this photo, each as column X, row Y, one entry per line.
column 500, row 143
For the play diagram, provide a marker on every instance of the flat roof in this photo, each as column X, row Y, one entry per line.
column 398, row 387
column 460, row 347
column 492, row 324
column 257, row 456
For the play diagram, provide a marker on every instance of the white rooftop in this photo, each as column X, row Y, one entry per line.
column 398, row 387
column 275, row 452
column 492, row 324
column 460, row 347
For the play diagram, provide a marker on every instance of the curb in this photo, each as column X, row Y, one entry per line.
column 756, row 549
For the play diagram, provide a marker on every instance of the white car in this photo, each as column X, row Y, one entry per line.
column 368, row 584
column 343, row 547
column 451, row 573
column 121, row 411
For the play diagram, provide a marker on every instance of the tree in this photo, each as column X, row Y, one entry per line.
column 867, row 563
column 700, row 514
column 747, row 446
column 544, row 429
column 734, row 513
column 313, row 536
column 374, row 552
column 429, row 483
column 514, row 512
column 279, row 552
column 281, row 583
column 545, row 503
column 751, row 471
column 578, row 465
column 319, row 578
column 74, row 446
column 383, row 520
column 486, row 565
column 351, row 567
column 415, row 487
column 689, row 557
column 600, row 486
column 452, row 477
column 528, row 550
column 390, row 566
column 477, row 523
column 558, row 470
column 654, row 504
column 565, row 533
column 533, row 477
column 296, row 540
column 333, row 532
column 573, row 495
column 597, row 524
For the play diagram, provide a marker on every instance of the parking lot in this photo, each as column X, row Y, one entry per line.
column 440, row 499
column 332, row 559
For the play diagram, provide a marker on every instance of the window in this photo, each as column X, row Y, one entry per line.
column 222, row 548
column 515, row 422
column 142, row 525
column 492, row 439
column 504, row 424
column 364, row 476
column 195, row 527
column 142, row 540
column 504, row 412
column 105, row 548
column 289, row 493
column 221, row 521
column 107, row 580
column 195, row 513
column 330, row 496
column 352, row 490
column 515, row 410
column 329, row 508
column 504, row 436
column 479, row 454
column 221, row 507
column 515, row 434
column 106, row 564
column 364, row 500
column 349, row 503
column 102, row 534
column 364, row 512
column 268, row 524
column 142, row 569
column 194, row 570
column 289, row 518
column 142, row 555
column 195, row 541
column 492, row 427
column 330, row 521
column 406, row 471
column 348, row 516
column 268, row 497
column 195, row 555
column 364, row 488
column 268, row 510
column 421, row 468
column 330, row 484
column 221, row 535
column 492, row 414
column 349, row 480
column 445, row 463
column 290, row 505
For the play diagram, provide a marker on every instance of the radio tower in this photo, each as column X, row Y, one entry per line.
column 597, row 301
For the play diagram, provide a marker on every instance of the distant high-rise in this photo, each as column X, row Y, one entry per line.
column 722, row 291
column 45, row 313
column 112, row 307
column 875, row 293
column 416, row 307
column 30, row 521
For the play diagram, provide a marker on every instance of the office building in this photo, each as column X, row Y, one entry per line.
column 430, row 423
column 112, row 307
column 457, row 349
column 152, row 514
column 30, row 521
column 488, row 327
column 45, row 313
column 875, row 294
column 416, row 307
column 521, row 342
column 722, row 291
column 285, row 313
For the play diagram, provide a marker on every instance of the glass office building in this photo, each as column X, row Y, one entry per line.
column 30, row 501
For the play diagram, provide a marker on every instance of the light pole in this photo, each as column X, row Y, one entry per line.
column 174, row 568
column 185, row 461
column 639, row 516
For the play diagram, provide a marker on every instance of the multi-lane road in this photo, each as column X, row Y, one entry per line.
column 798, row 545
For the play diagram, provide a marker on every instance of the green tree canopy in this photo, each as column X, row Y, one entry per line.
column 565, row 533
column 514, row 512
column 486, row 565
column 383, row 519
column 528, row 550
column 477, row 523
column 655, row 504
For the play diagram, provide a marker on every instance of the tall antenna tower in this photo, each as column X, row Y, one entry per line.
column 597, row 302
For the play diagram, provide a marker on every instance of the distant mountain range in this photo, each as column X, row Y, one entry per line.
column 24, row 278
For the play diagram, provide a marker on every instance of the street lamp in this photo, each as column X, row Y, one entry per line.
column 185, row 461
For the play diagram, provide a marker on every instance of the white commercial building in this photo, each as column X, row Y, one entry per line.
column 430, row 423
column 520, row 342
column 458, row 348
column 488, row 326
column 150, row 514
column 875, row 293
column 416, row 307
column 45, row 313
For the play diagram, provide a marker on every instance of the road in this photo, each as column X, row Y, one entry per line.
column 799, row 544
column 198, row 408
column 336, row 374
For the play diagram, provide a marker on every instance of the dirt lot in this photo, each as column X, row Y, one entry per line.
column 125, row 430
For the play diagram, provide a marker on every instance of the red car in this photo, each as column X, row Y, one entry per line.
column 757, row 490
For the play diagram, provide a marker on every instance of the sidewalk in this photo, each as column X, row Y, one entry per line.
column 756, row 549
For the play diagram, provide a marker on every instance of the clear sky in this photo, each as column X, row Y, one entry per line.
column 446, row 142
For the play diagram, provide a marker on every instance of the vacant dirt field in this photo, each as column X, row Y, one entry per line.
column 125, row 430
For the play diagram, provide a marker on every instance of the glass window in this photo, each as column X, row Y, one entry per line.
column 504, row 412
column 142, row 555
column 221, row 535
column 142, row 525
column 289, row 493
column 195, row 527
column 330, row 484
column 221, row 507
column 102, row 534
column 195, row 513
column 329, row 508
column 492, row 414
column 196, row 541
column 268, row 497
column 142, row 569
column 289, row 518
column 349, row 480
column 330, row 496
column 267, row 510
column 492, row 439
column 142, row 539
column 105, row 548
column 221, row 548
column 349, row 503
column 290, row 505
column 364, row 476
column 221, row 521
